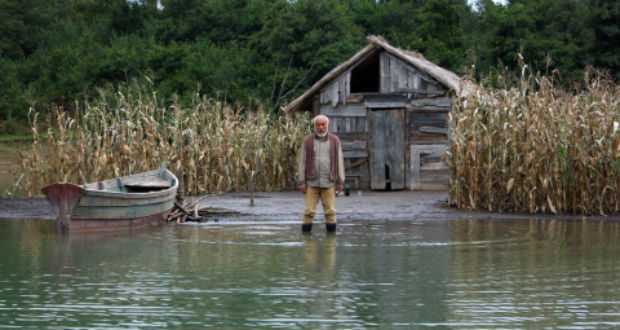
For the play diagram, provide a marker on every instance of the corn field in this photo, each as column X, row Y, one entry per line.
column 128, row 132
column 538, row 148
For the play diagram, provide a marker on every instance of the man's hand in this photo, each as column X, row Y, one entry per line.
column 303, row 188
column 339, row 188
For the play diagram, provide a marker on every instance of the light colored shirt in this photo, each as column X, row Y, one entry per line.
column 322, row 164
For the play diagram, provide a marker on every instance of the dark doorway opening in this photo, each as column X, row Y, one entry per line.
column 365, row 76
column 388, row 184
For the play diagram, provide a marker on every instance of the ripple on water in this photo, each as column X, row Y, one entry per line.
column 439, row 275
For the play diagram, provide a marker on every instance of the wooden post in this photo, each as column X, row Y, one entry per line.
column 181, row 189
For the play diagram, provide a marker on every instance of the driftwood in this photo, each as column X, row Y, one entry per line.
column 190, row 210
column 187, row 211
column 182, row 210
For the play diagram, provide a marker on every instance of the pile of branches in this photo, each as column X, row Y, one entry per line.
column 188, row 210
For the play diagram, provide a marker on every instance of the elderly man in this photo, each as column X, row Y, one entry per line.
column 320, row 171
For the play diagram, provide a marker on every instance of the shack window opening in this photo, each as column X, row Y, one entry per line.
column 365, row 76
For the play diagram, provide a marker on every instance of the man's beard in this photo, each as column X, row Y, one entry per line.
column 322, row 134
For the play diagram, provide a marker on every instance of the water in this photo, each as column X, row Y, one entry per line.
column 396, row 275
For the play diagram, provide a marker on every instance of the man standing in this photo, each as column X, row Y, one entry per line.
column 320, row 171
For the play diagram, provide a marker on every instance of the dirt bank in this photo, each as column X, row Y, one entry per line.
column 34, row 208
column 288, row 206
column 365, row 205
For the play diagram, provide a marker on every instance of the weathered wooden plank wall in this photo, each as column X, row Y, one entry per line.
column 427, row 127
column 347, row 124
column 355, row 150
column 351, row 110
column 431, row 174
column 404, row 127
column 377, row 159
column 396, row 76
column 337, row 91
column 395, row 148
column 427, row 123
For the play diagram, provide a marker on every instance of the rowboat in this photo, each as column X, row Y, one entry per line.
column 126, row 202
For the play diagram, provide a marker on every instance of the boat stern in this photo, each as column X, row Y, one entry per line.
column 63, row 197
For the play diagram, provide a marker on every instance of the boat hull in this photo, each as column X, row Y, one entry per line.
column 110, row 205
column 92, row 225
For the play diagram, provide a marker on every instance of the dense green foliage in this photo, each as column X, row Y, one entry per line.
column 52, row 52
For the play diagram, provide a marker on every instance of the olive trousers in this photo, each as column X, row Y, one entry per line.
column 328, row 199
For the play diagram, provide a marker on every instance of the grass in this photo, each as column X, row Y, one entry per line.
column 20, row 137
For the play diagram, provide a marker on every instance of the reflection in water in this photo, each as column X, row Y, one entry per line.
column 440, row 275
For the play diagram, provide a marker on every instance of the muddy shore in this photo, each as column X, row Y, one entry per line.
column 288, row 206
column 33, row 208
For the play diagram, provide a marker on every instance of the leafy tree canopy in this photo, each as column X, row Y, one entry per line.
column 60, row 50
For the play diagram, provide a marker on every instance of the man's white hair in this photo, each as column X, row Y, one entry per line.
column 320, row 117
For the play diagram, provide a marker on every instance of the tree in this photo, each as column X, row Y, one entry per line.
column 603, row 19
column 546, row 30
column 439, row 32
column 22, row 21
column 318, row 33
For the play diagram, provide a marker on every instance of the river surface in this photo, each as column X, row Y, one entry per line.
column 469, row 274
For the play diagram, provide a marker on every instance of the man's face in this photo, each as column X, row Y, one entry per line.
column 321, row 125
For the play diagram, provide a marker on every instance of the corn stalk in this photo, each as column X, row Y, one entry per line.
column 130, row 131
column 538, row 148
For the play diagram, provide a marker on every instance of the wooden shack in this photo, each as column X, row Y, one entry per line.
column 390, row 109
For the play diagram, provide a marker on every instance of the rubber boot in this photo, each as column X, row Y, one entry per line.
column 330, row 227
column 306, row 228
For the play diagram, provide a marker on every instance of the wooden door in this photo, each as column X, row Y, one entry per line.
column 386, row 135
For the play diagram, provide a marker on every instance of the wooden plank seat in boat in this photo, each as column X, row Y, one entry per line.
column 147, row 183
